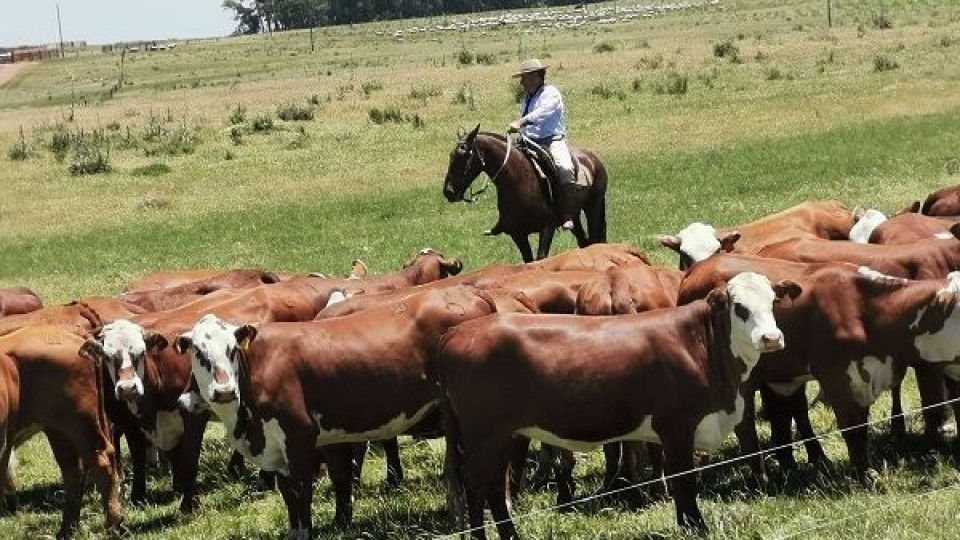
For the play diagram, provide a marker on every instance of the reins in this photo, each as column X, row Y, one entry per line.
column 474, row 196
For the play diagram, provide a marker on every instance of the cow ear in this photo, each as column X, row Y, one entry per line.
column 245, row 334
column 156, row 342
column 787, row 288
column 858, row 212
column 912, row 208
column 92, row 350
column 718, row 300
column 452, row 266
column 183, row 343
column 668, row 241
column 728, row 240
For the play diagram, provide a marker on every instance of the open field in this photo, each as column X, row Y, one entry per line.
column 805, row 112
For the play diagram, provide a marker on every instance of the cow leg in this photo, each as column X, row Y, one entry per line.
column 340, row 468
column 657, row 489
column 778, row 410
column 546, row 463
column 851, row 418
column 187, row 461
column 297, row 494
column 391, row 451
column 746, row 432
column 564, row 475
column 497, row 499
column 612, row 456
column 523, row 244
column 8, row 493
column 898, row 424
column 543, row 244
column 800, row 412
column 237, row 467
column 518, row 466
column 359, row 456
column 137, row 443
column 484, row 462
column 69, row 462
column 930, row 383
column 678, row 452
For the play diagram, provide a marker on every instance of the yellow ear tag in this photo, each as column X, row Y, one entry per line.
column 244, row 346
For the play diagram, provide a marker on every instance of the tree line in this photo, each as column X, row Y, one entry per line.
column 256, row 16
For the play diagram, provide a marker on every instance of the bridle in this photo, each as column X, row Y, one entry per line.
column 471, row 196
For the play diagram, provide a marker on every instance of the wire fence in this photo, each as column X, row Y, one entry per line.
column 696, row 470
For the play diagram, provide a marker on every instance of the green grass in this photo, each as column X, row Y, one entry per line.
column 739, row 144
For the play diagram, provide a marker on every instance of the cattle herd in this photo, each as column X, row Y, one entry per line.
column 593, row 347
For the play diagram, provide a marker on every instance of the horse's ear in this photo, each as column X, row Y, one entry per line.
column 473, row 133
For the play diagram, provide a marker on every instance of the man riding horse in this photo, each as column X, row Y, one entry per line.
column 542, row 121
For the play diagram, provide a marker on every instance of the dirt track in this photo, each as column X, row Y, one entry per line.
column 9, row 71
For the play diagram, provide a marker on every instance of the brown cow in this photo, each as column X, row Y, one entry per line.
column 943, row 202
column 173, row 297
column 828, row 220
column 594, row 257
column 285, row 389
column 18, row 300
column 620, row 291
column 670, row 376
column 32, row 362
column 874, row 228
column 149, row 377
column 844, row 331
column 80, row 317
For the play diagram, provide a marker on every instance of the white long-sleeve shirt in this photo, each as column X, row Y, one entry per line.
column 543, row 114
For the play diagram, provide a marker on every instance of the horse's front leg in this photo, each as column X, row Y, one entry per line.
column 523, row 244
column 546, row 238
column 579, row 233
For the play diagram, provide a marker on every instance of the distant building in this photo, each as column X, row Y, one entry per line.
column 26, row 54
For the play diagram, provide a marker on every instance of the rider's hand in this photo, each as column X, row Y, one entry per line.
column 515, row 126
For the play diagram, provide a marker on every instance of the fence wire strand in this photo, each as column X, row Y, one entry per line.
column 696, row 470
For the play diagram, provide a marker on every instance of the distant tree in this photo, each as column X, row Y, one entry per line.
column 248, row 17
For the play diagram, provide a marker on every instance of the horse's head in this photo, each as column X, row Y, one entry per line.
column 466, row 164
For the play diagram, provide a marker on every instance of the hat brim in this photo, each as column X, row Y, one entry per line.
column 519, row 73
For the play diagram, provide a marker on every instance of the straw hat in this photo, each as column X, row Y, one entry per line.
column 529, row 66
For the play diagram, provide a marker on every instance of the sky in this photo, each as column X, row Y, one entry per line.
column 108, row 21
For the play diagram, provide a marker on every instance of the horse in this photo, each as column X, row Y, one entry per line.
column 522, row 201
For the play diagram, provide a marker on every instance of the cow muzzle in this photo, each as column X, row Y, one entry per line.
column 771, row 342
column 128, row 390
column 223, row 395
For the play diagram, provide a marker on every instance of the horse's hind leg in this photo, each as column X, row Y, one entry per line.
column 546, row 239
column 523, row 244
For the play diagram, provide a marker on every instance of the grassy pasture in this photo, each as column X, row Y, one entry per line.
column 803, row 114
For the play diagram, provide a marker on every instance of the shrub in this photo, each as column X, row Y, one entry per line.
column 229, row 155
column 650, row 62
column 604, row 47
column 675, row 85
column 236, row 135
column 300, row 140
column 881, row 21
column 153, row 169
column 371, row 86
column 727, row 49
column 466, row 57
column 946, row 41
column 295, row 112
column 421, row 93
column 182, row 140
column 239, row 115
column 882, row 63
column 774, row 74
column 388, row 114
column 60, row 142
column 261, row 123
column 464, row 96
column 487, row 59
column 20, row 150
column 606, row 91
column 89, row 158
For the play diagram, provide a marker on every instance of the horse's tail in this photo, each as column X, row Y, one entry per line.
column 597, row 204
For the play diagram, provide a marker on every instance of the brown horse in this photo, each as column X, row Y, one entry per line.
column 522, row 198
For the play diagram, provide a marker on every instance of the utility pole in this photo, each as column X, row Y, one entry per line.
column 829, row 15
column 60, row 30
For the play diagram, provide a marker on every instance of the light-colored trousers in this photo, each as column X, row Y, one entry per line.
column 564, row 161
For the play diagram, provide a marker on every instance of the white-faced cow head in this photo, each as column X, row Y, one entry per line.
column 867, row 222
column 123, row 346
column 698, row 242
column 753, row 328
column 215, row 347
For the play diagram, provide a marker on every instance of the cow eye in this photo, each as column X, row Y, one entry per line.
column 742, row 313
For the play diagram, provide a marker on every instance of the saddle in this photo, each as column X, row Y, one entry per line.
column 546, row 168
